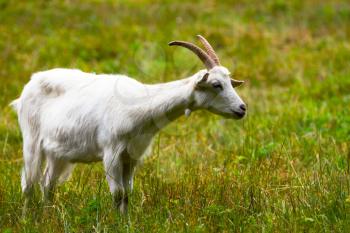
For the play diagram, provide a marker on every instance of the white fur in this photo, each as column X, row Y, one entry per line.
column 68, row 116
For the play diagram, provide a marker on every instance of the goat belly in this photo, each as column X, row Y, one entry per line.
column 71, row 149
column 70, row 139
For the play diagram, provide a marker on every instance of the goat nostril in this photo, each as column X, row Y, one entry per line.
column 243, row 107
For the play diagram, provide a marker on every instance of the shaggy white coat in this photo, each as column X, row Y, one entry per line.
column 69, row 116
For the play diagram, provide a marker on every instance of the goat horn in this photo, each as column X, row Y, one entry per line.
column 205, row 58
column 209, row 50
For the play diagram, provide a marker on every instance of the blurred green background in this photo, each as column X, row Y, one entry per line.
column 284, row 168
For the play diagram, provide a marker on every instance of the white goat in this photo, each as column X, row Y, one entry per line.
column 68, row 116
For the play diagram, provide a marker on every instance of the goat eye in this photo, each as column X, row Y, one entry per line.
column 217, row 86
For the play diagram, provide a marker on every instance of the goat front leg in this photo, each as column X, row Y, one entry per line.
column 129, row 165
column 114, row 173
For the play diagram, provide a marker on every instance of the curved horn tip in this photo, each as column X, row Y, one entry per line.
column 200, row 37
column 176, row 42
column 201, row 54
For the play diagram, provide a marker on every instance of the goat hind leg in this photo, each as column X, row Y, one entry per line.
column 31, row 171
column 27, row 190
column 53, row 171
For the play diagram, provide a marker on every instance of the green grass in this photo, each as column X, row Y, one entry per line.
column 284, row 168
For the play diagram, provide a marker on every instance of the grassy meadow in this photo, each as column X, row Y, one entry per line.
column 283, row 168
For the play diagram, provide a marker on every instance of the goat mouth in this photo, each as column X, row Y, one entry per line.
column 232, row 114
column 238, row 115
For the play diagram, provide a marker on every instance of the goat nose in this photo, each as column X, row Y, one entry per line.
column 243, row 107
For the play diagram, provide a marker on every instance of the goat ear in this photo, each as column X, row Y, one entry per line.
column 236, row 83
column 203, row 79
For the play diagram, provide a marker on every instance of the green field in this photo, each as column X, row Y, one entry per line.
column 284, row 168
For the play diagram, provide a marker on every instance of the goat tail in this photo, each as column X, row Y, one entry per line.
column 15, row 104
